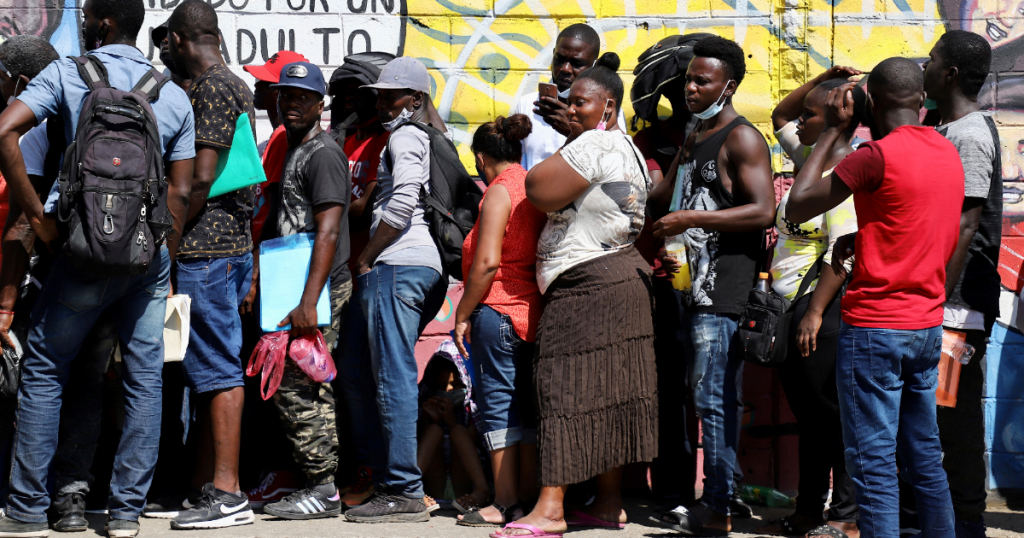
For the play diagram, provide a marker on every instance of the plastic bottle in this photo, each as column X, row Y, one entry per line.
column 762, row 282
column 676, row 248
column 956, row 348
column 762, row 495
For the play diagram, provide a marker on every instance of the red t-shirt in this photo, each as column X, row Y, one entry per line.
column 273, row 164
column 908, row 189
column 363, row 160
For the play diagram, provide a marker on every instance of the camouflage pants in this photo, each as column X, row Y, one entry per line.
column 307, row 407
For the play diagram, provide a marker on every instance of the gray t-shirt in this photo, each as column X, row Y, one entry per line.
column 399, row 203
column 316, row 172
column 973, row 140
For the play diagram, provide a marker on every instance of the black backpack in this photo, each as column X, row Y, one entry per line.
column 453, row 203
column 664, row 62
column 113, row 194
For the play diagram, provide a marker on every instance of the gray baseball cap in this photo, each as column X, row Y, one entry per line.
column 403, row 73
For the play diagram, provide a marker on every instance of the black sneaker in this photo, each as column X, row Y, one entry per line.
column 70, row 510
column 306, row 503
column 169, row 506
column 122, row 528
column 215, row 509
column 388, row 508
column 12, row 528
column 740, row 509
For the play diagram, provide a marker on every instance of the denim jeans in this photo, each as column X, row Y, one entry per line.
column 67, row 310
column 80, row 421
column 216, row 286
column 503, row 370
column 398, row 302
column 717, row 383
column 886, row 380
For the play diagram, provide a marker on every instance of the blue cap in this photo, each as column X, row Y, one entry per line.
column 302, row 75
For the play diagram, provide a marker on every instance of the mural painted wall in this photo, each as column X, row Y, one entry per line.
column 485, row 54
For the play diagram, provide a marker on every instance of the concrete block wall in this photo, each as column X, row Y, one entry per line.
column 485, row 54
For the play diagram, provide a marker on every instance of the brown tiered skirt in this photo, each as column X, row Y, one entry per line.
column 594, row 374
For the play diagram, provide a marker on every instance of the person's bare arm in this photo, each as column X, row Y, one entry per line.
column 358, row 207
column 792, row 106
column 970, row 216
column 552, row 184
column 12, row 271
column 494, row 215
column 829, row 283
column 179, row 189
column 328, row 226
column 15, row 121
column 811, row 195
column 204, row 172
column 751, row 172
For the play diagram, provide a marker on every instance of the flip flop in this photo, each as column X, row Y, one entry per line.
column 684, row 522
column 578, row 518
column 827, row 530
column 535, row 532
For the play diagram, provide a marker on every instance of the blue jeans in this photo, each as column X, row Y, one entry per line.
column 398, row 302
column 216, row 286
column 355, row 384
column 886, row 380
column 66, row 312
column 717, row 383
column 502, row 362
column 80, row 422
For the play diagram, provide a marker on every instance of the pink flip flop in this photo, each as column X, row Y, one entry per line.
column 582, row 519
column 534, row 531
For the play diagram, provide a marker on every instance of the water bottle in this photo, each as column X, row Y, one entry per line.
column 957, row 348
column 762, row 282
column 762, row 495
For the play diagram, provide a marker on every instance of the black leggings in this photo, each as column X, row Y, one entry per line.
column 810, row 386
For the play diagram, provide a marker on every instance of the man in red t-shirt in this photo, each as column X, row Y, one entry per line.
column 908, row 188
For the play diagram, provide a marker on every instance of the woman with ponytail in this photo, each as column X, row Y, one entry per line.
column 497, row 318
column 594, row 372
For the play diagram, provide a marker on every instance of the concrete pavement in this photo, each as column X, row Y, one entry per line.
column 1002, row 523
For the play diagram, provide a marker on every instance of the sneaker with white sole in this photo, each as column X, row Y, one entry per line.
column 169, row 506
column 306, row 503
column 122, row 528
column 275, row 486
column 216, row 509
column 12, row 528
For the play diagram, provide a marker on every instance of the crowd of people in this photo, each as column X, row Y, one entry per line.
column 605, row 277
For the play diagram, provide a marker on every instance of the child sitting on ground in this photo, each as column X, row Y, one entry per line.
column 448, row 439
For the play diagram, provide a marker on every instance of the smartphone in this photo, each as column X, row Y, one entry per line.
column 548, row 89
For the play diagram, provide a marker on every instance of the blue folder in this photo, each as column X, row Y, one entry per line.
column 284, row 268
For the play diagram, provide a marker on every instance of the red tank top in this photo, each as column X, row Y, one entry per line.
column 514, row 291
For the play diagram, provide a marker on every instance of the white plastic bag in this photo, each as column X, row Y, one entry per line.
column 176, row 327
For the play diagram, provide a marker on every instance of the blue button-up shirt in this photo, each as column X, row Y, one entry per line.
column 59, row 88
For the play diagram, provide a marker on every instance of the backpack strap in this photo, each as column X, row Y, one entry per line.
column 148, row 87
column 92, row 71
column 809, row 277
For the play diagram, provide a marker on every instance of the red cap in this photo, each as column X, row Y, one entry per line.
column 271, row 71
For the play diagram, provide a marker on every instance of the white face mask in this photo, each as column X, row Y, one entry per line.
column 15, row 93
column 714, row 109
column 404, row 117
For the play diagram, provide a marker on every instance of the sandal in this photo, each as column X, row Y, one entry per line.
column 432, row 505
column 784, row 526
column 468, row 503
column 827, row 530
column 535, row 532
column 475, row 519
column 680, row 520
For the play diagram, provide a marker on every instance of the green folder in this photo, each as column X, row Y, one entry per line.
column 240, row 165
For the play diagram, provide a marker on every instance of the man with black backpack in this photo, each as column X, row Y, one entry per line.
column 113, row 258
column 402, row 283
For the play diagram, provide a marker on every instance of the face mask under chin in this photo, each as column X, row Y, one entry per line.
column 716, row 108
column 404, row 117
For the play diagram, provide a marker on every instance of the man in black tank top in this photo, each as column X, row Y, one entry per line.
column 723, row 203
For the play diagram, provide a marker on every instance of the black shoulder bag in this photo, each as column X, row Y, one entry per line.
column 764, row 322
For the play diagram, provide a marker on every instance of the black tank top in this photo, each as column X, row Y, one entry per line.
column 723, row 265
